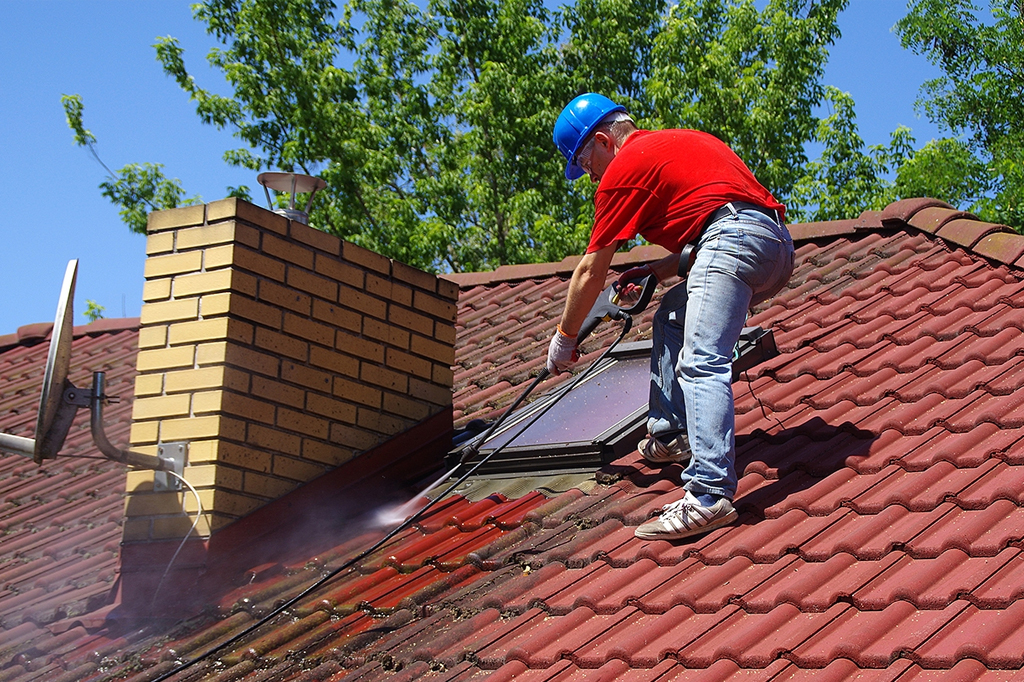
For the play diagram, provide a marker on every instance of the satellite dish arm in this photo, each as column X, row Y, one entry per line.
column 99, row 437
column 17, row 445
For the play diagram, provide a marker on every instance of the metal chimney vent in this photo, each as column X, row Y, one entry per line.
column 293, row 183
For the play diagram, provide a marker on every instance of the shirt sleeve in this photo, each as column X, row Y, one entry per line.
column 619, row 215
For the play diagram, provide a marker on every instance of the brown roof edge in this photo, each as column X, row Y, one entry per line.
column 38, row 332
column 926, row 214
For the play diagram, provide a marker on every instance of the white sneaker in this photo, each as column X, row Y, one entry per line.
column 657, row 452
column 687, row 517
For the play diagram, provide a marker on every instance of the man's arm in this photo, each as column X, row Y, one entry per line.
column 586, row 285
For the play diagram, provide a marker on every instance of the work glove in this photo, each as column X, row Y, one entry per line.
column 562, row 352
column 627, row 291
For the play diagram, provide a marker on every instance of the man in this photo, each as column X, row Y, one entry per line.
column 674, row 188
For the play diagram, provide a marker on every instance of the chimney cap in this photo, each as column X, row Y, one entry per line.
column 293, row 183
column 290, row 182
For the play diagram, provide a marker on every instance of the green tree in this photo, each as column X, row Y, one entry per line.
column 979, row 100
column 431, row 121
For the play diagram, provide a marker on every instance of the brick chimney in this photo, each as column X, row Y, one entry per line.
column 277, row 352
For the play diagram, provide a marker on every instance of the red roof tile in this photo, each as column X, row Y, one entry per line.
column 880, row 533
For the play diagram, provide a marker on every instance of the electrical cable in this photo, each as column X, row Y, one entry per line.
column 628, row 323
column 199, row 514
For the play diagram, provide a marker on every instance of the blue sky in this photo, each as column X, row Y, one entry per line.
column 52, row 210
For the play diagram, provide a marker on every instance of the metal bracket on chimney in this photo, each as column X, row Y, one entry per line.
column 177, row 455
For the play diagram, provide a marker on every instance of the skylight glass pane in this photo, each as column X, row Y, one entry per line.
column 588, row 410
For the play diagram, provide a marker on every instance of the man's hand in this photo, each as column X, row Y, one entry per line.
column 562, row 352
column 628, row 292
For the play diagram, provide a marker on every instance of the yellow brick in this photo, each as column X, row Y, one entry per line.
column 214, row 329
column 279, row 344
column 218, row 256
column 308, row 330
column 315, row 238
column 378, row 286
column 417, row 278
column 381, row 423
column 335, row 410
column 354, row 438
column 269, row 487
column 210, row 475
column 337, row 316
column 277, row 392
column 206, row 401
column 159, row 243
column 241, row 456
column 150, row 504
column 153, row 337
column 338, row 270
column 160, row 406
column 364, row 303
column 206, row 378
column 202, row 283
column 244, row 358
column 290, row 252
column 403, row 407
column 389, row 334
column 176, row 217
column 170, row 311
column 215, row 304
column 165, row 528
column 306, row 377
column 407, row 319
column 266, row 315
column 365, row 258
column 432, row 393
column 296, row 469
column 165, row 358
column 433, row 305
column 408, row 364
column 438, row 352
column 303, row 423
column 384, row 377
column 274, row 440
column 301, row 279
column 350, row 390
column 200, row 451
column 238, row 208
column 332, row 360
column 445, row 333
column 139, row 480
column 245, row 407
column 325, row 453
column 285, row 297
column 156, row 289
column 443, row 375
column 219, row 233
column 136, row 530
column 255, row 262
column 235, row 505
column 201, row 427
column 148, row 384
column 173, row 264
column 447, row 289
column 359, row 347
column 144, row 432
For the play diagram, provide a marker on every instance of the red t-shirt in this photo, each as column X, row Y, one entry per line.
column 665, row 184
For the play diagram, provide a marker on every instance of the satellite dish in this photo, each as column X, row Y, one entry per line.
column 55, row 415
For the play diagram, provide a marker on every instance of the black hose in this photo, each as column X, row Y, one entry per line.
column 628, row 323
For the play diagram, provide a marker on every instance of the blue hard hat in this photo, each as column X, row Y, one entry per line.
column 575, row 123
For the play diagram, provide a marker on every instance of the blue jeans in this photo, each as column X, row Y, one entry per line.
column 742, row 260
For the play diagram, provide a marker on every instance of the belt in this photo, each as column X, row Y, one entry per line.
column 689, row 251
column 734, row 207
